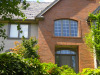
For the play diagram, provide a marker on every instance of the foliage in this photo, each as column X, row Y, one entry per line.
column 53, row 69
column 93, row 38
column 3, row 35
column 50, row 68
column 89, row 40
column 66, row 70
column 13, row 64
column 88, row 71
column 27, row 48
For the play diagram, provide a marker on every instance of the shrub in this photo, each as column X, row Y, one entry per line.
column 10, row 64
column 66, row 70
column 88, row 71
column 51, row 69
column 27, row 48
column 13, row 64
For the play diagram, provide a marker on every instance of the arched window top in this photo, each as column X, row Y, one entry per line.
column 66, row 20
column 65, row 52
column 66, row 27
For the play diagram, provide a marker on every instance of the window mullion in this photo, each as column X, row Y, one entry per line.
column 61, row 27
column 69, row 28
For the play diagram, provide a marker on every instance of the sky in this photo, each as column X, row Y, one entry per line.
column 42, row 0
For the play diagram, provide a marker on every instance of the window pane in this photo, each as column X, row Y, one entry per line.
column 73, row 62
column 65, row 60
column 65, row 52
column 57, row 60
column 72, row 52
column 13, row 31
column 58, row 52
column 66, row 27
column 58, row 28
column 74, row 28
column 24, row 28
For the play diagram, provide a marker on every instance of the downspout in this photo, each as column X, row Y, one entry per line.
column 95, row 61
column 94, row 51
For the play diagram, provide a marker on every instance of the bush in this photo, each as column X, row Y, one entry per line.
column 53, row 69
column 88, row 71
column 13, row 64
column 10, row 64
column 66, row 70
column 27, row 48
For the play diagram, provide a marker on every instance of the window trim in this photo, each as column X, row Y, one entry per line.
column 78, row 35
column 9, row 27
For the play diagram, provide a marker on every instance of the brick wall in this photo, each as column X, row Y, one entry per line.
column 66, row 9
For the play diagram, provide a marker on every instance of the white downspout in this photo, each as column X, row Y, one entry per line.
column 95, row 61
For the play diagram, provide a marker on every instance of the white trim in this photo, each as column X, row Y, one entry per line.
column 95, row 61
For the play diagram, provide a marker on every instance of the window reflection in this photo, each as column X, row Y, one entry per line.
column 65, row 52
column 73, row 62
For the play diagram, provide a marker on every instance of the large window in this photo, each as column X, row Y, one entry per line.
column 67, row 57
column 14, row 33
column 66, row 28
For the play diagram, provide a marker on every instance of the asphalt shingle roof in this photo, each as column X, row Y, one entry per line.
column 34, row 9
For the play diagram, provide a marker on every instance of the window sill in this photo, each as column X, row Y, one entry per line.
column 67, row 37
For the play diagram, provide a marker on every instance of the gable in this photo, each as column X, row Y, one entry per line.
column 47, row 8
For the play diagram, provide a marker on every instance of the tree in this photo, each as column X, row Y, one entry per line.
column 9, row 8
column 92, row 39
column 27, row 48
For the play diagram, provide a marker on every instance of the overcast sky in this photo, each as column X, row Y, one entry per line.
column 42, row 0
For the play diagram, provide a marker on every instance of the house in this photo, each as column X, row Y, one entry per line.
column 60, row 27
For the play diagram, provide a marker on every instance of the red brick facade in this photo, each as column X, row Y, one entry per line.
column 66, row 9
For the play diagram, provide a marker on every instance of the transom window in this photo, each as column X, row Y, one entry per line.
column 65, row 52
column 14, row 33
column 66, row 28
